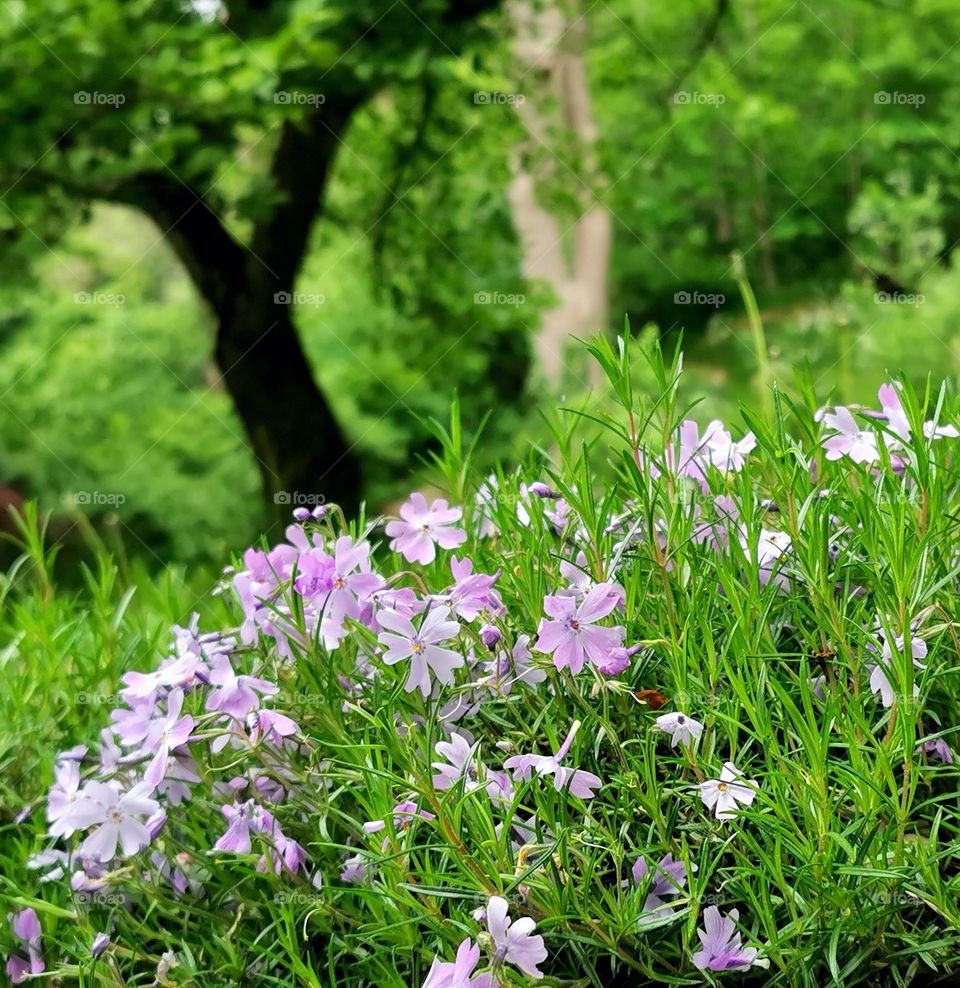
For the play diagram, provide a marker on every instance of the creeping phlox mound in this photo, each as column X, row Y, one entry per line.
column 692, row 720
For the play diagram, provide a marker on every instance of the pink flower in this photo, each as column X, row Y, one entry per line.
column 472, row 593
column 404, row 641
column 848, row 439
column 166, row 733
column 462, row 763
column 459, row 973
column 513, row 667
column 579, row 782
column 693, row 454
column 514, row 939
column 722, row 947
column 243, row 820
column 574, row 636
column 421, row 528
column 403, row 815
column 26, row 929
column 235, row 695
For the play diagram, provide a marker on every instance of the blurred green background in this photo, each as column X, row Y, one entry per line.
column 480, row 184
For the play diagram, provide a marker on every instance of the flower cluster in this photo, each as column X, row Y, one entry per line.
column 506, row 715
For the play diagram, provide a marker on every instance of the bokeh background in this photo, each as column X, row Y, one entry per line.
column 251, row 249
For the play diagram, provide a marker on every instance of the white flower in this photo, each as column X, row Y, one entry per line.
column 723, row 795
column 683, row 729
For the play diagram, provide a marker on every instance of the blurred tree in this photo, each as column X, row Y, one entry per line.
column 757, row 127
column 169, row 107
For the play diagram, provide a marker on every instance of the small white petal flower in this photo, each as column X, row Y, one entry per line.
column 725, row 794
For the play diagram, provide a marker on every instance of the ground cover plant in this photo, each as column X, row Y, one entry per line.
column 694, row 723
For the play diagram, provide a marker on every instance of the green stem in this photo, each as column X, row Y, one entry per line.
column 764, row 379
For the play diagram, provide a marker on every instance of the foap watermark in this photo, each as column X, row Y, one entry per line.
column 295, row 899
column 484, row 98
column 689, row 700
column 84, row 98
column 499, row 298
column 297, row 97
column 899, row 298
column 713, row 299
column 87, row 699
column 298, row 499
column 99, row 298
column 307, row 699
column 101, row 898
column 99, row 499
column 299, row 298
column 883, row 98
column 696, row 98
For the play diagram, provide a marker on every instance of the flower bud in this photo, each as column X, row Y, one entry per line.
column 490, row 635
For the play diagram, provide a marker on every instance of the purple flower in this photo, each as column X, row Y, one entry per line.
column 721, row 945
column 421, row 528
column 404, row 641
column 472, row 593
column 722, row 451
column 131, row 725
column 579, row 782
column 513, row 667
column 166, row 734
column 459, row 973
column 681, row 728
column 773, row 547
column 403, row 815
column 338, row 586
column 490, row 635
column 287, row 854
column 724, row 794
column 243, row 820
column 100, row 943
column 574, row 636
column 892, row 410
column 514, row 939
column 618, row 660
column 173, row 672
column 272, row 726
column 938, row 748
column 26, row 929
column 542, row 490
column 116, row 815
column 462, row 763
column 354, row 870
column 314, row 574
column 693, row 454
column 669, row 878
column 235, row 695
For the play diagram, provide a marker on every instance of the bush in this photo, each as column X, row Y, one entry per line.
column 559, row 727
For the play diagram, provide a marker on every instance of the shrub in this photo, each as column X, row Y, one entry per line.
column 698, row 718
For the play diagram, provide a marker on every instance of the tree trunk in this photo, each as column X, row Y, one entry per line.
column 550, row 44
column 299, row 448
column 303, row 456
